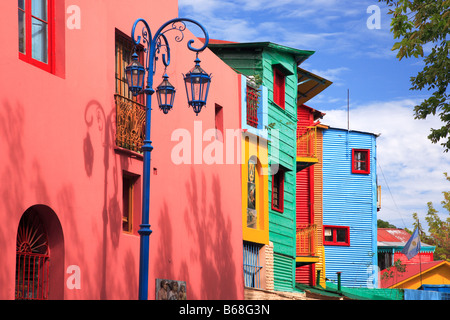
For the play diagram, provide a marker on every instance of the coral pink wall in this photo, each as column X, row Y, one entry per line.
column 57, row 150
column 419, row 258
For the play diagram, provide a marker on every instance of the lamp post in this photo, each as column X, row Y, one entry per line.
column 197, row 83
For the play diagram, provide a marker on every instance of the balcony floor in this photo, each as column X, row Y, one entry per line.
column 303, row 260
column 305, row 162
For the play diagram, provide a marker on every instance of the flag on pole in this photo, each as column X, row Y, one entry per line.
column 412, row 247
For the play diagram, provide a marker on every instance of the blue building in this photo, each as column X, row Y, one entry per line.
column 350, row 207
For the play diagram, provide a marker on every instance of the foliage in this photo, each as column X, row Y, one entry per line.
column 420, row 23
column 398, row 266
column 439, row 231
column 384, row 224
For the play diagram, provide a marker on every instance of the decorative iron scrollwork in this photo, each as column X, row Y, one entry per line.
column 130, row 124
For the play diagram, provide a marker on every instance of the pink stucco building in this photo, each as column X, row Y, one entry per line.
column 71, row 184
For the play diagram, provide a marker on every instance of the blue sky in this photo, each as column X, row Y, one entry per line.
column 355, row 58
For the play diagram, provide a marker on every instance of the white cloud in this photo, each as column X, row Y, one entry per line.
column 410, row 167
column 330, row 26
column 332, row 74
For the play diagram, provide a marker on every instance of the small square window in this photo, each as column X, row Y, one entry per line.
column 361, row 161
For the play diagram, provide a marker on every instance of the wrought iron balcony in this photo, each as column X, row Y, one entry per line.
column 306, row 147
column 130, row 123
column 306, row 240
column 252, row 106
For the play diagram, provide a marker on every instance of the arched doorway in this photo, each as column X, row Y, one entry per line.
column 39, row 236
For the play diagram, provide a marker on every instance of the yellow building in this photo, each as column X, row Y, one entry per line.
column 415, row 275
column 258, row 252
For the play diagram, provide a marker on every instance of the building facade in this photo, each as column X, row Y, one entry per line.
column 288, row 86
column 390, row 243
column 310, row 260
column 350, row 207
column 70, row 141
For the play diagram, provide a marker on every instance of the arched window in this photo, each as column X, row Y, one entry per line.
column 32, row 259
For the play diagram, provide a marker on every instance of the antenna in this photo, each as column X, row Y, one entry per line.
column 348, row 109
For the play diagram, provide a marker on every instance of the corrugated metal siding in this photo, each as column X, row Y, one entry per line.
column 304, row 274
column 283, row 272
column 303, row 197
column 349, row 200
column 318, row 206
column 318, row 190
column 304, row 119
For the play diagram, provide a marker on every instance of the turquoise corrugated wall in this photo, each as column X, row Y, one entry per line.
column 350, row 200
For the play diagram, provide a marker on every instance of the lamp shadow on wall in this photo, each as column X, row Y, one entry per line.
column 12, row 128
column 101, row 126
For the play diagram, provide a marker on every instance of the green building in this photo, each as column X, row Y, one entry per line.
column 276, row 68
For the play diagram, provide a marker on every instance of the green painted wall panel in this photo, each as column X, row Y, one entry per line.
column 283, row 272
column 260, row 61
column 282, row 225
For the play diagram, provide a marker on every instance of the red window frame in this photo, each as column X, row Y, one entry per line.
column 27, row 56
column 334, row 231
column 279, row 85
column 356, row 162
column 278, row 182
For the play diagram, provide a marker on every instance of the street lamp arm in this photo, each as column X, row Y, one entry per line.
column 154, row 44
column 181, row 27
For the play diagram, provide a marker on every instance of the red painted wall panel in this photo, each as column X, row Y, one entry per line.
column 57, row 140
column 424, row 257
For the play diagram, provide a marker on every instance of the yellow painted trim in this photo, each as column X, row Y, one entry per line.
column 249, row 148
column 305, row 159
column 307, row 259
column 417, row 276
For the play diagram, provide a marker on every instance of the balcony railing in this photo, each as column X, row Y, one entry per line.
column 307, row 142
column 306, row 240
column 130, row 124
column 252, row 106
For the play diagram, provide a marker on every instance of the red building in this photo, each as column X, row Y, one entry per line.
column 310, row 257
column 72, row 171
column 390, row 244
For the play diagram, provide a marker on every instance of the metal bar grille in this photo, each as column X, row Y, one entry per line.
column 124, row 50
column 252, row 106
column 252, row 267
column 32, row 274
column 307, row 143
column 306, row 235
column 130, row 110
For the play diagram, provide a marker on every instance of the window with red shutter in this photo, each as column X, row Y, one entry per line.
column 279, row 82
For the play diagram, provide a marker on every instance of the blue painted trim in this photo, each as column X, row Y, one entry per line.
column 261, row 131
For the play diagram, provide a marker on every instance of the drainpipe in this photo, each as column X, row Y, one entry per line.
column 318, row 278
column 339, row 281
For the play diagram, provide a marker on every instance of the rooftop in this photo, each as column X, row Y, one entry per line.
column 391, row 237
